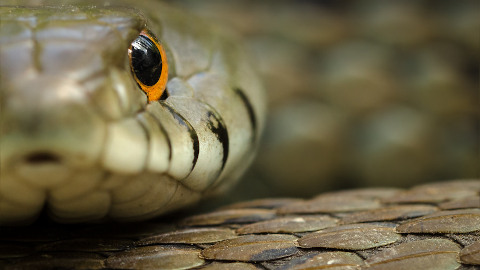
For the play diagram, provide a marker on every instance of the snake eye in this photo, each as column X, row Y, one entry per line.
column 148, row 63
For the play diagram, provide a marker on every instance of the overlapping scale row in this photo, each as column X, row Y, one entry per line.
column 258, row 235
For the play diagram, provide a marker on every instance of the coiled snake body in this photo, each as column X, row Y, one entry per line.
column 77, row 133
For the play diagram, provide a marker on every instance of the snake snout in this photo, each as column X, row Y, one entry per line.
column 49, row 156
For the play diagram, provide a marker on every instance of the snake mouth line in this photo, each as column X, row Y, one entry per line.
column 92, row 194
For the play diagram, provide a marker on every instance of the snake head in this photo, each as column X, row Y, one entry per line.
column 78, row 134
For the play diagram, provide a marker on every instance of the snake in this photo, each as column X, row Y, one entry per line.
column 114, row 112
column 128, row 111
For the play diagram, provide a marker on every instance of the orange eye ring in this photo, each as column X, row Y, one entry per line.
column 148, row 63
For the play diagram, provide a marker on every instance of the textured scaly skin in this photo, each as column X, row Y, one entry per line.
column 433, row 226
column 359, row 229
column 77, row 134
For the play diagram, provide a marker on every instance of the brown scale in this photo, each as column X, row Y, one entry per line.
column 416, row 228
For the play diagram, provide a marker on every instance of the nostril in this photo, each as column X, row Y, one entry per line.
column 43, row 169
column 42, row 158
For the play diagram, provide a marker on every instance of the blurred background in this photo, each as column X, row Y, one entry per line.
column 361, row 93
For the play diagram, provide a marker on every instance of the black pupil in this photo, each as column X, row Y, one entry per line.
column 146, row 61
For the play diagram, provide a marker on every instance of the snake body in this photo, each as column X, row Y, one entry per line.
column 78, row 136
